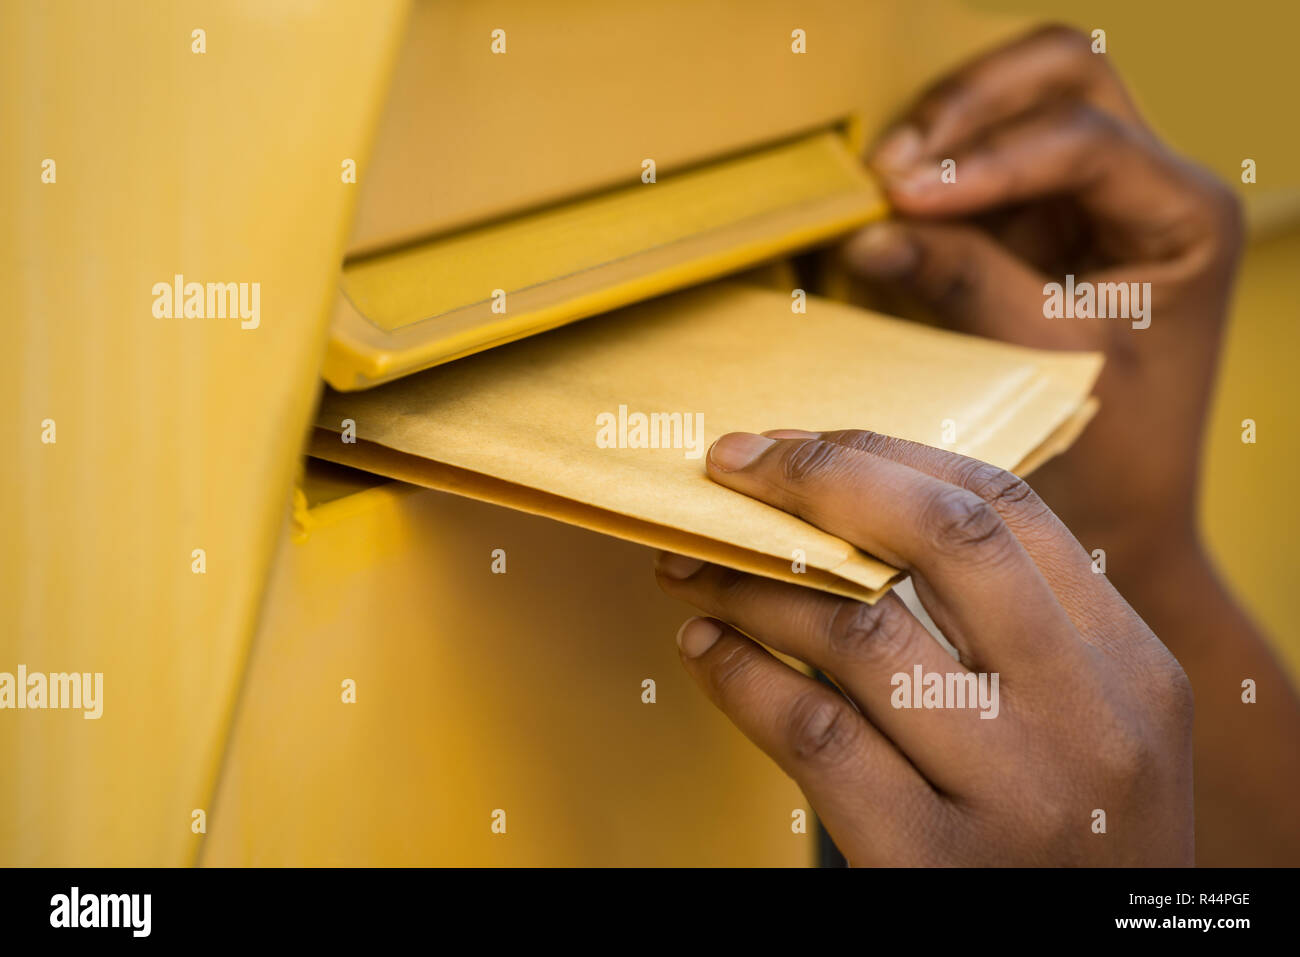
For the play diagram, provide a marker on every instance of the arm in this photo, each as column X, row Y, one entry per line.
column 1247, row 755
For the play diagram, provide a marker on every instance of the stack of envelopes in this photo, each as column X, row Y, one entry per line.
column 602, row 423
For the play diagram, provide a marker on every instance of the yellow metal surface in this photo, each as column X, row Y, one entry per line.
column 427, row 304
column 477, row 692
column 451, row 297
column 171, row 434
column 585, row 91
column 539, row 247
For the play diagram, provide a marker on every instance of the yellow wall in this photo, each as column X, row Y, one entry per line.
column 1248, row 506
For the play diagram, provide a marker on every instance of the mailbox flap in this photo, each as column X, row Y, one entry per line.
column 429, row 303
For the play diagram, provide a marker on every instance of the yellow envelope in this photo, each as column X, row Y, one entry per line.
column 559, row 424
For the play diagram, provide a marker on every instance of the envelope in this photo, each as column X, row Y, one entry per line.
column 603, row 424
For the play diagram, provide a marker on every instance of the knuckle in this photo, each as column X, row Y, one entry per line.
column 809, row 460
column 860, row 440
column 1126, row 753
column 729, row 582
column 822, row 730
column 1056, row 815
column 874, row 635
column 1124, row 747
column 1179, row 702
column 959, row 520
column 737, row 667
column 1184, row 699
column 1212, row 208
column 1093, row 138
column 1002, row 489
column 1071, row 43
column 947, row 93
column 1091, row 123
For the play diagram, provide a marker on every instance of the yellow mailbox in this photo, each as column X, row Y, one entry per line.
column 306, row 664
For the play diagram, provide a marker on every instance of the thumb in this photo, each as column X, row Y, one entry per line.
column 970, row 282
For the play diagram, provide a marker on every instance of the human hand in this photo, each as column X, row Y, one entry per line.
column 1056, row 175
column 1089, row 712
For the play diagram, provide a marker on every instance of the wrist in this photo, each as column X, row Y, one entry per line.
column 1155, row 564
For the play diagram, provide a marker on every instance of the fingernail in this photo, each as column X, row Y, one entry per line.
column 882, row 250
column 679, row 567
column 697, row 635
column 737, row 449
column 899, row 149
column 791, row 434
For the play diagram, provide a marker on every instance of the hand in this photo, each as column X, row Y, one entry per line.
column 1057, row 174
column 1089, row 712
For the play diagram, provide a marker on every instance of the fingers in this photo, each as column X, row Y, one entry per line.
column 1089, row 599
column 852, row 775
column 995, row 602
column 862, row 647
column 1118, row 173
column 962, row 275
column 1047, row 65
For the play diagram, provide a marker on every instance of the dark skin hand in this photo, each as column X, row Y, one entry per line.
column 1057, row 173
column 1093, row 712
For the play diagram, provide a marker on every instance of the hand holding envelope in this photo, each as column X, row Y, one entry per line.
column 526, row 425
column 1061, row 711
